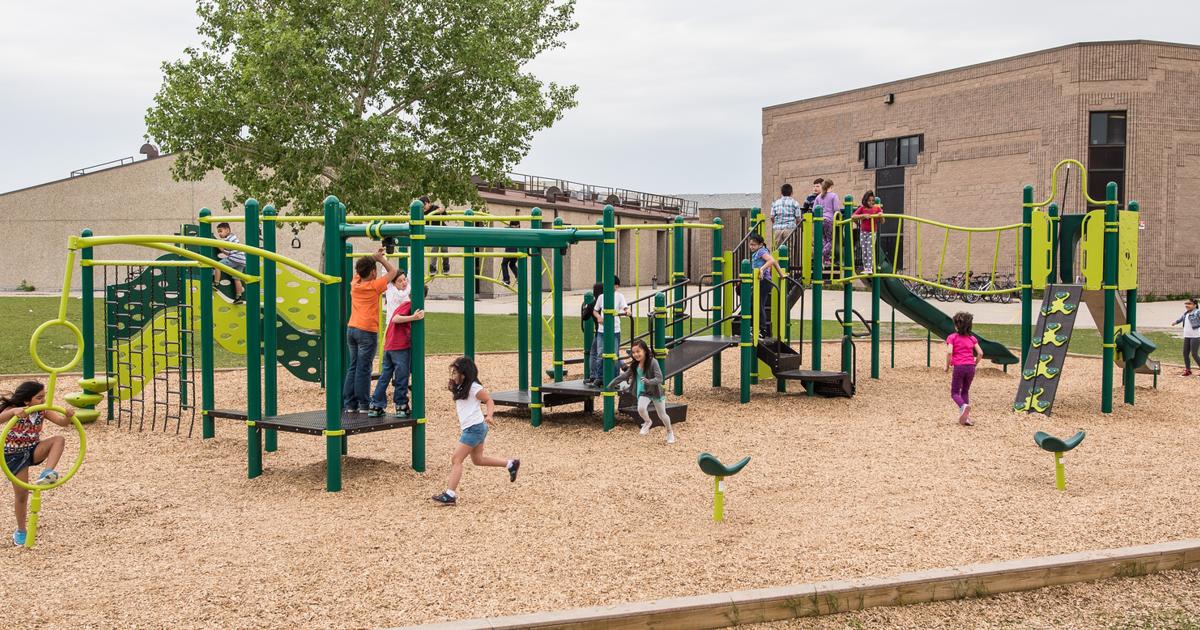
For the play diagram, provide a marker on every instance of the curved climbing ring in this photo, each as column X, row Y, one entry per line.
column 33, row 343
column 74, row 467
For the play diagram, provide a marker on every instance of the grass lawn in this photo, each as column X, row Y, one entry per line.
column 22, row 315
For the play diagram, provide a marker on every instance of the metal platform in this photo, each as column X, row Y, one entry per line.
column 831, row 384
column 227, row 414
column 313, row 422
column 575, row 388
column 521, row 397
column 694, row 351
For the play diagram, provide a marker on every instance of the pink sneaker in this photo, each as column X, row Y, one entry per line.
column 964, row 416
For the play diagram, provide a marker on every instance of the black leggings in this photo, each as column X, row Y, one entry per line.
column 1191, row 350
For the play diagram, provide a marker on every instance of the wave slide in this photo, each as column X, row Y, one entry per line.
column 893, row 291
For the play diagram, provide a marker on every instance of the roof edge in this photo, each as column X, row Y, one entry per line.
column 876, row 86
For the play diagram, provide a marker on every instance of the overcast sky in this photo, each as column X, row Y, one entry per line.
column 671, row 91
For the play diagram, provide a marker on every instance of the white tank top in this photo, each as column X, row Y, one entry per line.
column 470, row 411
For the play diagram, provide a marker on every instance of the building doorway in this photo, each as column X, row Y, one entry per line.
column 889, row 188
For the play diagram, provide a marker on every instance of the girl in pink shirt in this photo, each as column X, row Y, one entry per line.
column 963, row 354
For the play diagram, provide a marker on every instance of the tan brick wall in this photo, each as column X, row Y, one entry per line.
column 992, row 128
column 141, row 198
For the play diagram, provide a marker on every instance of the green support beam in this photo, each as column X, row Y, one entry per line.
column 608, row 247
column 1128, row 374
column 535, row 326
column 208, row 427
column 1111, row 226
column 335, row 369
column 718, row 276
column 253, row 300
column 558, row 307
column 1026, row 272
column 87, row 284
column 270, row 329
column 523, row 323
column 746, row 345
column 416, row 283
column 677, row 278
column 468, row 275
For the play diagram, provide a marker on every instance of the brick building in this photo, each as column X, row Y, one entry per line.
column 958, row 146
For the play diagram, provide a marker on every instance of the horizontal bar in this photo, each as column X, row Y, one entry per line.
column 646, row 226
column 457, row 236
column 446, row 255
column 140, row 263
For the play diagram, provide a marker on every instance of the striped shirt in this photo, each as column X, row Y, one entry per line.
column 25, row 434
column 234, row 256
column 784, row 211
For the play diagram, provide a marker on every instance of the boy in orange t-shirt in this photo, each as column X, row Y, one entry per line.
column 362, row 334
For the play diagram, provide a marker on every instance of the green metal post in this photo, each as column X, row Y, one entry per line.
column 610, row 318
column 1110, row 295
column 783, row 321
column 535, row 326
column 875, row 328
column 847, row 267
column 270, row 330
column 334, row 336
column 677, row 277
column 1026, row 272
column 818, row 281
column 523, row 298
column 718, row 276
column 557, row 298
column 416, row 281
column 928, row 348
column 660, row 329
column 1131, row 319
column 600, row 256
column 746, row 344
column 468, row 263
column 208, row 427
column 87, row 293
column 1052, row 212
column 892, row 358
column 253, row 347
column 589, row 332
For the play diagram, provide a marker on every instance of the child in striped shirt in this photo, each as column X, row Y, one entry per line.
column 232, row 258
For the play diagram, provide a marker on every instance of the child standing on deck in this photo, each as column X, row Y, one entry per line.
column 867, row 226
column 475, row 408
column 1191, row 335
column 362, row 334
column 25, row 447
column 397, row 347
column 232, row 258
column 762, row 262
column 963, row 354
column 827, row 204
column 646, row 378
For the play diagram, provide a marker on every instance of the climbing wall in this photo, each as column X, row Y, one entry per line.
column 1048, row 349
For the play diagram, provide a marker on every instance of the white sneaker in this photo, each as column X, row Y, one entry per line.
column 671, row 438
column 964, row 413
column 646, row 427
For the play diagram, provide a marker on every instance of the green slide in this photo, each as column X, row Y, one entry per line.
column 893, row 291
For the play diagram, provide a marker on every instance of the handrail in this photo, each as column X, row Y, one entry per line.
column 915, row 219
column 839, row 313
column 1082, row 183
column 168, row 243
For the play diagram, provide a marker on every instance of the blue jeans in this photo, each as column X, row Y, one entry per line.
column 396, row 368
column 598, row 355
column 356, row 392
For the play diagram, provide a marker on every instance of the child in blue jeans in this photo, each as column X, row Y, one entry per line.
column 963, row 354
column 397, row 349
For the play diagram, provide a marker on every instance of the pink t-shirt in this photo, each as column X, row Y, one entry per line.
column 962, row 349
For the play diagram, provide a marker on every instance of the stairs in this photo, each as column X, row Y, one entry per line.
column 785, row 364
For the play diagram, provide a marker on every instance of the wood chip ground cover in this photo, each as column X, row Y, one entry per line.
column 163, row 530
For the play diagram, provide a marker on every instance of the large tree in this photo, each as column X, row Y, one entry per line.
column 376, row 101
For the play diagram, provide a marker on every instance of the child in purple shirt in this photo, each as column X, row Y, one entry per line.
column 828, row 203
column 963, row 354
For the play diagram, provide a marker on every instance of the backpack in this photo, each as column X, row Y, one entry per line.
column 1194, row 319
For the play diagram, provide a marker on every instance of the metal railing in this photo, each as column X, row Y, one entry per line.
column 554, row 189
column 102, row 166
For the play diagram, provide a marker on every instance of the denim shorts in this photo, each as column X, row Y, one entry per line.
column 236, row 266
column 20, row 460
column 474, row 435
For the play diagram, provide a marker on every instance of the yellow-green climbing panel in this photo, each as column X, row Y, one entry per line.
column 299, row 299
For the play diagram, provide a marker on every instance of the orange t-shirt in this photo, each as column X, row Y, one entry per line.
column 364, row 302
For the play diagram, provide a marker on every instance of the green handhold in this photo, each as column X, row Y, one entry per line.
column 1059, row 305
column 87, row 416
column 1032, row 402
column 1051, row 337
column 84, row 399
column 1043, row 369
column 97, row 385
column 711, row 466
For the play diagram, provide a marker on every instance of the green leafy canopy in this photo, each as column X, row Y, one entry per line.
column 376, row 101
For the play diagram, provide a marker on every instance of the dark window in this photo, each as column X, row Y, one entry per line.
column 1106, row 153
column 890, row 152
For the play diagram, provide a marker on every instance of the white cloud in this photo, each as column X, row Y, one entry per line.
column 671, row 91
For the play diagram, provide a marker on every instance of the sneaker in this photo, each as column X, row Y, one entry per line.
column 403, row 412
column 1186, row 373
column 671, row 437
column 374, row 412
column 966, row 422
column 963, row 412
column 445, row 499
column 513, row 468
column 18, row 538
column 645, row 428
column 350, row 410
column 239, row 299
column 47, row 477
